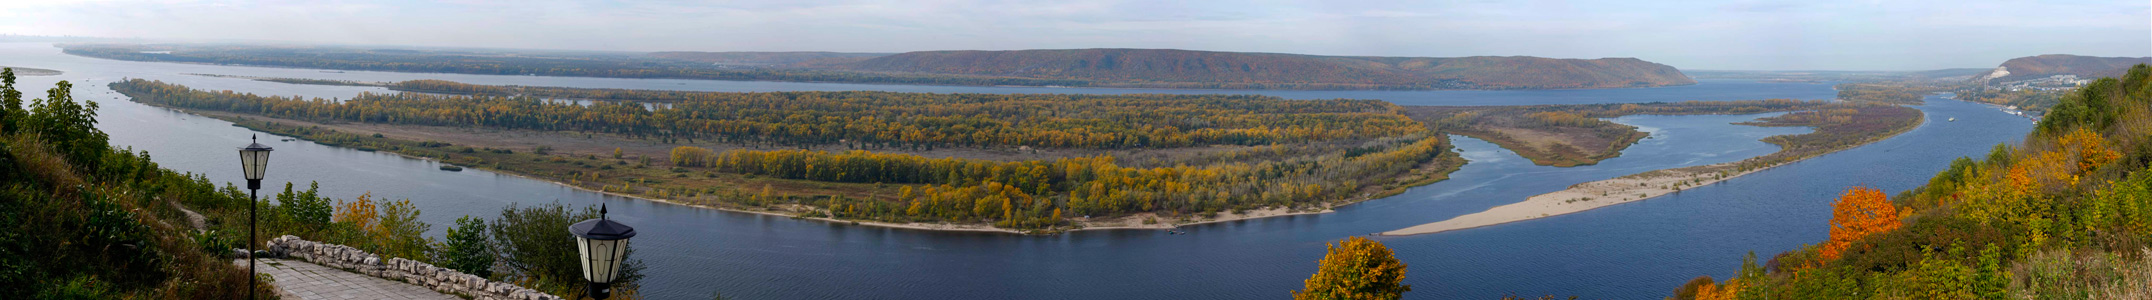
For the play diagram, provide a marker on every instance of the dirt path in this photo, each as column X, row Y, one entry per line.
column 193, row 218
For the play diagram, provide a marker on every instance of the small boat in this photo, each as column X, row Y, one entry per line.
column 1953, row 119
column 451, row 168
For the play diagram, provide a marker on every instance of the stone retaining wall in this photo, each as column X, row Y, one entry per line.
column 440, row 279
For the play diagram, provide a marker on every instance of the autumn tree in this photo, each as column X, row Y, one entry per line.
column 691, row 156
column 1861, row 212
column 1357, row 268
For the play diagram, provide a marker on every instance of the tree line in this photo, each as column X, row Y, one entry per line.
column 1040, row 193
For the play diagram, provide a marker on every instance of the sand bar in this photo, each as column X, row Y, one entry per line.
column 1587, row 196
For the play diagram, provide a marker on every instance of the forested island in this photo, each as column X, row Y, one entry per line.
column 897, row 150
column 1112, row 68
column 1036, row 163
column 2066, row 214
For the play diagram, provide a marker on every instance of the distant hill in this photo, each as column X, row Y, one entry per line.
column 2032, row 67
column 1111, row 68
column 784, row 59
column 1206, row 69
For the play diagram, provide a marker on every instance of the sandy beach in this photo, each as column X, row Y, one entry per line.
column 1587, row 196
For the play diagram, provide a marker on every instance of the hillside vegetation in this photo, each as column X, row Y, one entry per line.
column 2065, row 215
column 82, row 220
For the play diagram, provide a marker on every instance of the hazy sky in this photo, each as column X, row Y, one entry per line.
column 1806, row 35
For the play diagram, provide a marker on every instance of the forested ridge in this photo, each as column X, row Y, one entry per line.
column 2066, row 214
column 2041, row 66
column 1293, row 154
column 866, row 119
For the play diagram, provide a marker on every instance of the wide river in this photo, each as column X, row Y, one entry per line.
column 1632, row 251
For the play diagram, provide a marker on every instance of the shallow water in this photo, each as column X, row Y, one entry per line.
column 1630, row 251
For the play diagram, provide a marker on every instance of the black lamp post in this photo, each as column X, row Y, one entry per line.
column 254, row 160
column 602, row 243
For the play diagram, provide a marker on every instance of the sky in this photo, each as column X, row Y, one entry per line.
column 1703, row 35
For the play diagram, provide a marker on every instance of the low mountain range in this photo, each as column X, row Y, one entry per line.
column 2034, row 67
column 1108, row 68
column 1168, row 68
column 791, row 58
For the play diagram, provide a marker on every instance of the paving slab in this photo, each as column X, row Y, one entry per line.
column 302, row 280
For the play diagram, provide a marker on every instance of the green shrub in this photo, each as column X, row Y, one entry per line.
column 466, row 249
column 528, row 241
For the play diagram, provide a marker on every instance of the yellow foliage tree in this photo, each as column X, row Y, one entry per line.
column 360, row 212
column 1357, row 268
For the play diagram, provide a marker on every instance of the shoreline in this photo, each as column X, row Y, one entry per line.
column 1599, row 193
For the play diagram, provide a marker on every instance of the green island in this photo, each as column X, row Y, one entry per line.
column 988, row 162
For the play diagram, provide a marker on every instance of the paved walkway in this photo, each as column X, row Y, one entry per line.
column 302, row 280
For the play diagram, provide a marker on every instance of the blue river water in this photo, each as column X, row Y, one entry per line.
column 1632, row 251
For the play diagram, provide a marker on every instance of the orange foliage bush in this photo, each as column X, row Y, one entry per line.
column 1861, row 212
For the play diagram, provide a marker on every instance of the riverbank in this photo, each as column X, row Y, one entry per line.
column 1638, row 187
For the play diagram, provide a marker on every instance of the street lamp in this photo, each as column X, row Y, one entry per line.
column 602, row 244
column 254, row 160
